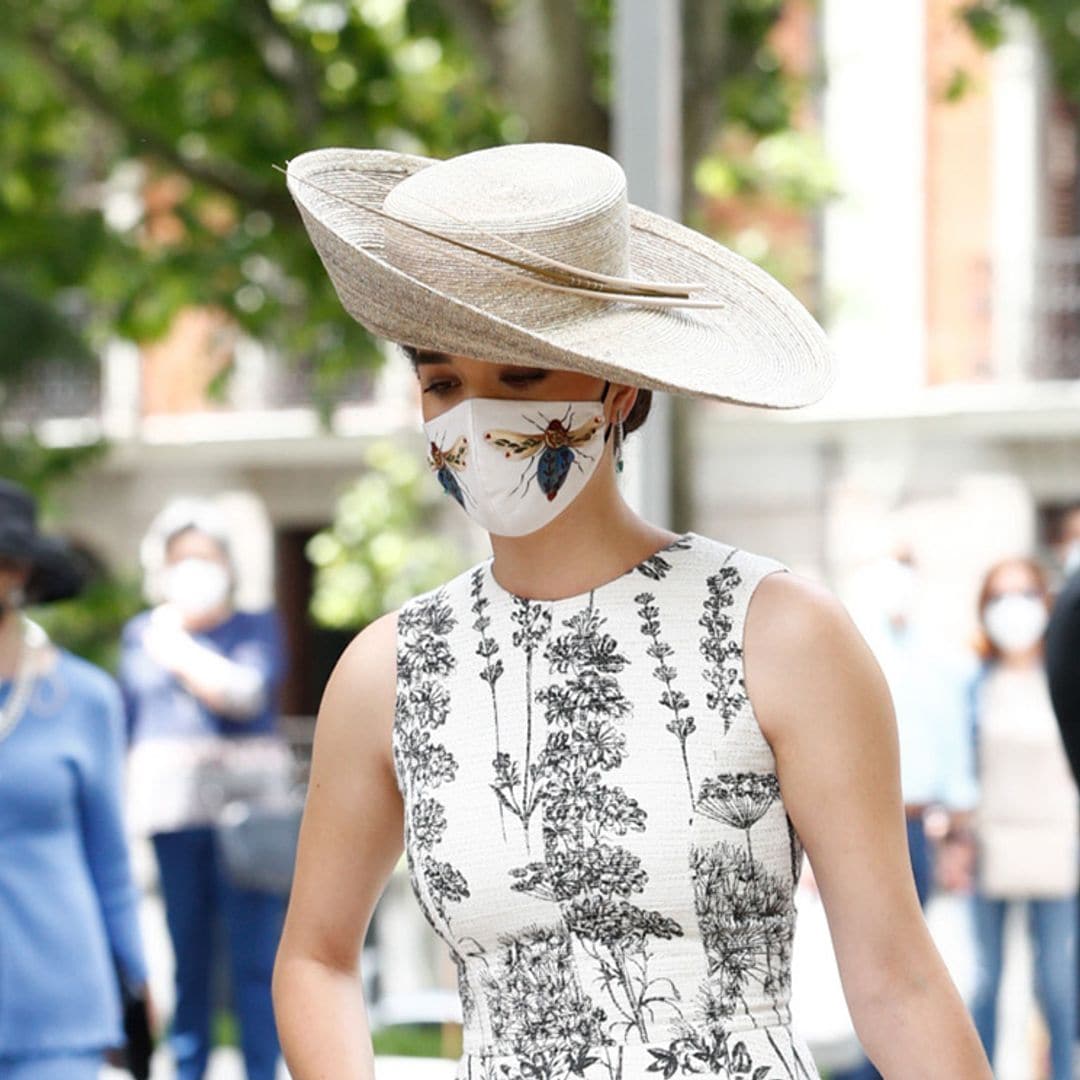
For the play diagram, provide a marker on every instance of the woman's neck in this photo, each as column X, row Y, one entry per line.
column 597, row 538
column 11, row 642
column 1022, row 661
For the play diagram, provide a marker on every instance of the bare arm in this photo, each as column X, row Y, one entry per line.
column 350, row 839
column 823, row 705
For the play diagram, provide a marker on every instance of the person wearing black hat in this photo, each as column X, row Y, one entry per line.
column 68, row 915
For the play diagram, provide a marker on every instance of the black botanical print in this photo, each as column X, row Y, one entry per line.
column 618, row 942
column 740, row 800
column 424, row 661
column 488, row 650
column 656, row 567
column 746, row 918
column 538, row 1009
column 519, row 787
column 590, row 877
column 722, row 652
column 681, row 724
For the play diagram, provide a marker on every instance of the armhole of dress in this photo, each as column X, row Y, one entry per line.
column 394, row 719
column 755, row 568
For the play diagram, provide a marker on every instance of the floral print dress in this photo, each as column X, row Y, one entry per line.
column 594, row 825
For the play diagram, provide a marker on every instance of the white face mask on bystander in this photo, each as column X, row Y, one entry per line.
column 197, row 586
column 1015, row 621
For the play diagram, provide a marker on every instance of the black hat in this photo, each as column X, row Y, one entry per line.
column 54, row 570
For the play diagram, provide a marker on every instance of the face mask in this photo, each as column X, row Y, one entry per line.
column 515, row 466
column 1015, row 622
column 197, row 586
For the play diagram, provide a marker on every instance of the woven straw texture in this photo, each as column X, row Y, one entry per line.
column 396, row 234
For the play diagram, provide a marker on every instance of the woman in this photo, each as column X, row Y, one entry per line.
column 68, row 906
column 599, row 823
column 200, row 678
column 1028, row 823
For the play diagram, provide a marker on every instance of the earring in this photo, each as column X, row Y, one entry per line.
column 620, row 438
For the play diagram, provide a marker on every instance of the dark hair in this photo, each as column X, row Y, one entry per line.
column 637, row 416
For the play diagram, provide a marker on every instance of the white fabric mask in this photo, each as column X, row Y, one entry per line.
column 1015, row 622
column 515, row 466
column 197, row 586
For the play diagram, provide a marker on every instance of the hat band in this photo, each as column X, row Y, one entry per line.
column 548, row 272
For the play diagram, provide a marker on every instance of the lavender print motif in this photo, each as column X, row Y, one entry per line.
column 656, row 567
column 520, row 787
column 589, row 876
column 488, row 650
column 566, row 971
column 719, row 648
column 424, row 660
column 681, row 724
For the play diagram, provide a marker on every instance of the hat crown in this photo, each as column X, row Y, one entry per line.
column 564, row 202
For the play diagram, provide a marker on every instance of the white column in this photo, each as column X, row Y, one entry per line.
column 875, row 135
column 1015, row 194
column 647, row 121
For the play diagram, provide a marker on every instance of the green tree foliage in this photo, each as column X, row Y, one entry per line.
column 1058, row 25
column 103, row 98
column 138, row 138
column 380, row 550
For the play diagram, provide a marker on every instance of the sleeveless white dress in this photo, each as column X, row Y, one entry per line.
column 595, row 827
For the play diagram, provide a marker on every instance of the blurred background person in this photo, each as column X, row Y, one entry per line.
column 199, row 678
column 68, row 904
column 1027, row 824
column 929, row 692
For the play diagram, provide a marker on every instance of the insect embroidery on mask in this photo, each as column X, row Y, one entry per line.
column 445, row 462
column 557, row 443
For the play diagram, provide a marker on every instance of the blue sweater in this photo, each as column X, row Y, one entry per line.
column 68, row 906
column 159, row 705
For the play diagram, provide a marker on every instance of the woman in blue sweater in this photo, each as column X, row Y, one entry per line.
column 68, row 918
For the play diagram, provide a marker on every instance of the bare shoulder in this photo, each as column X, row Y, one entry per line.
column 357, row 708
column 803, row 654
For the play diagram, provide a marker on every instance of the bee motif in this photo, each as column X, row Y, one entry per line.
column 445, row 462
column 558, row 445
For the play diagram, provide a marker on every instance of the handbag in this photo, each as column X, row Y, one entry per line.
column 257, row 841
column 138, row 1038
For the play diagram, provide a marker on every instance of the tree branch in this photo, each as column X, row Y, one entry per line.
column 299, row 73
column 220, row 175
column 479, row 25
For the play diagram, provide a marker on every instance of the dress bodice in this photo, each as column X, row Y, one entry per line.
column 595, row 827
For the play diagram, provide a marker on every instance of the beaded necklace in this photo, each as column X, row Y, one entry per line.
column 34, row 639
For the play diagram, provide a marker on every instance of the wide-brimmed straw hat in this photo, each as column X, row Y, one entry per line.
column 55, row 573
column 531, row 254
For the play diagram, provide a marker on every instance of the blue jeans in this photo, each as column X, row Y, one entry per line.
column 1052, row 926
column 197, row 894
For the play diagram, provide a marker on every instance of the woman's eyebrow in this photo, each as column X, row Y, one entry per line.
column 425, row 357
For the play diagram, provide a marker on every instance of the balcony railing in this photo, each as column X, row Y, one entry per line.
column 112, row 397
column 1055, row 340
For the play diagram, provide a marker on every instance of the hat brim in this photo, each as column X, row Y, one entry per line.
column 55, row 573
column 762, row 347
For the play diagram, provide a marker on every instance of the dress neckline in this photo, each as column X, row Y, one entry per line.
column 681, row 542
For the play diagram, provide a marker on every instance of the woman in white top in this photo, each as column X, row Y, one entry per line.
column 1027, row 821
column 608, row 745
